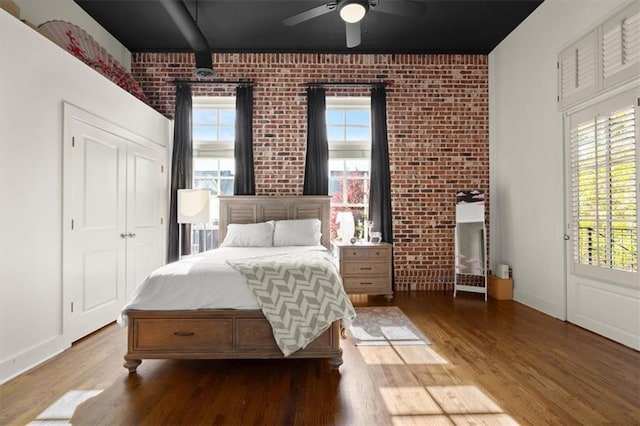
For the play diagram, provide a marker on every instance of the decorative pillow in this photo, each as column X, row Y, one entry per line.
column 249, row 235
column 298, row 232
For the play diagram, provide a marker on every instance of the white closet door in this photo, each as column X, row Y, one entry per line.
column 144, row 214
column 95, row 252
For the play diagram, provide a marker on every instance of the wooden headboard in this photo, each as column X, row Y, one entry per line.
column 260, row 208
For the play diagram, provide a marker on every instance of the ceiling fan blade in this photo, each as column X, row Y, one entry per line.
column 400, row 7
column 310, row 14
column 353, row 34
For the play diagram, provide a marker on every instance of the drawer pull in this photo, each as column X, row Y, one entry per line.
column 366, row 283
column 368, row 268
column 184, row 333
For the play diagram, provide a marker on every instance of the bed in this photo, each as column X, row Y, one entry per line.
column 230, row 333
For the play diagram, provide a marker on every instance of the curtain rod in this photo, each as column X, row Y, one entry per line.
column 348, row 84
column 215, row 82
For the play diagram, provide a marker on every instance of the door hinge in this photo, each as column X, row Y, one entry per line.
column 162, row 168
column 162, row 221
column 73, row 141
column 71, row 307
column 72, row 224
column 557, row 65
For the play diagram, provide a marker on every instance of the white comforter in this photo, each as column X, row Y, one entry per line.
column 202, row 281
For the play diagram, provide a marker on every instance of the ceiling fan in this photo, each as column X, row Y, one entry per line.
column 353, row 11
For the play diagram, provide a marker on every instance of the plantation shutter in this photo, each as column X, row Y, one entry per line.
column 621, row 46
column 603, row 156
column 577, row 65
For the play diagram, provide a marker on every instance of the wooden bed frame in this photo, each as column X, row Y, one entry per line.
column 230, row 333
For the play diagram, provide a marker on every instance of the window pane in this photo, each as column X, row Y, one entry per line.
column 360, row 165
column 227, row 116
column 227, row 133
column 226, row 187
column 204, row 133
column 359, row 117
column 335, row 116
column 227, row 167
column 358, row 134
column 335, row 185
column 205, row 115
column 335, row 133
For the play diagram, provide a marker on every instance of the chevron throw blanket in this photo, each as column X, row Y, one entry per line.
column 300, row 294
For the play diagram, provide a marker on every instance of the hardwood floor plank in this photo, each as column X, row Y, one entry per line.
column 490, row 363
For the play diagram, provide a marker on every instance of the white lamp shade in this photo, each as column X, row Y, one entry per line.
column 347, row 225
column 193, row 206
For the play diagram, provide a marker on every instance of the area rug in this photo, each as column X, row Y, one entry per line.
column 383, row 326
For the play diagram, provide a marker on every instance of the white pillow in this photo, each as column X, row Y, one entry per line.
column 249, row 235
column 298, row 232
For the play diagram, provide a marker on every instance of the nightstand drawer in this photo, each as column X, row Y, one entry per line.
column 354, row 253
column 382, row 253
column 363, row 268
column 367, row 252
column 366, row 285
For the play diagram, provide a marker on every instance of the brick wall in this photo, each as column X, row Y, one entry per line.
column 438, row 124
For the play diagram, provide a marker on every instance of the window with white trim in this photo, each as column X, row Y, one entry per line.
column 213, row 139
column 213, row 157
column 604, row 188
column 349, row 137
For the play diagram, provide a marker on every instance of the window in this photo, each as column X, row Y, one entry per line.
column 213, row 138
column 604, row 189
column 213, row 162
column 349, row 136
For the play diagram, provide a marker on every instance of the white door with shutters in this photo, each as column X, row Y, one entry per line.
column 144, row 222
column 603, row 291
column 94, row 259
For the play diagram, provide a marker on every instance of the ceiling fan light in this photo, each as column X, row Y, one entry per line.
column 353, row 11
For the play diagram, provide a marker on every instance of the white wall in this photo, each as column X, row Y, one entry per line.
column 40, row 11
column 36, row 76
column 526, row 149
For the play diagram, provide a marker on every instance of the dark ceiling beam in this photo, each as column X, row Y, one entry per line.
column 180, row 15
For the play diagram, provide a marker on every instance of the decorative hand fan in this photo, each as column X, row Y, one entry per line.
column 80, row 44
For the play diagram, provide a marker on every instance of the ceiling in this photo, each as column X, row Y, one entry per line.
column 446, row 26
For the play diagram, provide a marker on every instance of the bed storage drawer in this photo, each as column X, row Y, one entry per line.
column 254, row 334
column 183, row 334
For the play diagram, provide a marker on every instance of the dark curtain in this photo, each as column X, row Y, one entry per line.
column 380, row 189
column 244, row 182
column 181, row 170
column 316, row 168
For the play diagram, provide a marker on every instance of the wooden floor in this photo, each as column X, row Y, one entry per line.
column 489, row 363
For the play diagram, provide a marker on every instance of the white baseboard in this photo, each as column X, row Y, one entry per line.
column 24, row 361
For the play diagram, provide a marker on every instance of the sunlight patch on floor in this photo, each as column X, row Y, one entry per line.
column 484, row 419
column 420, row 354
column 408, row 400
column 458, row 420
column 398, row 354
column 61, row 411
column 378, row 355
column 437, row 420
column 442, row 405
column 463, row 399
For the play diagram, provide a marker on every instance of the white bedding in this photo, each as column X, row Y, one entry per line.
column 202, row 281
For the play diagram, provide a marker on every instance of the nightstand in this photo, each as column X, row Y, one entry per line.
column 365, row 268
